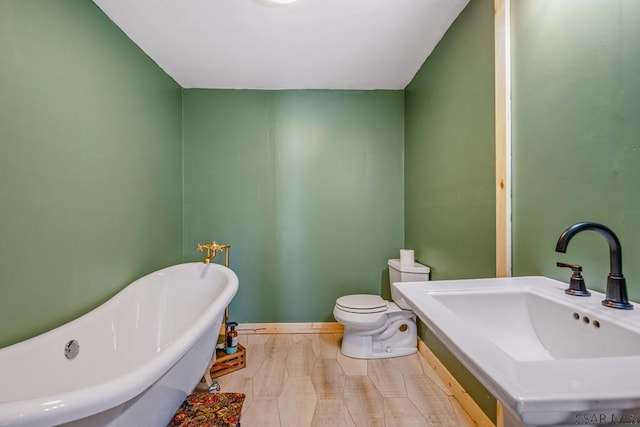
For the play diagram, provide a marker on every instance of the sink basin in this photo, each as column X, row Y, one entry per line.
column 550, row 358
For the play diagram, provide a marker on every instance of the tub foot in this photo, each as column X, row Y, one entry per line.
column 214, row 387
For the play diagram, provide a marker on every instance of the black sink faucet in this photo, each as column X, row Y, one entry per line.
column 616, row 296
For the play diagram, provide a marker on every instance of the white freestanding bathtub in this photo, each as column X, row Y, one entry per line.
column 138, row 355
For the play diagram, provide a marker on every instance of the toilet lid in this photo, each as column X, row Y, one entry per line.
column 362, row 303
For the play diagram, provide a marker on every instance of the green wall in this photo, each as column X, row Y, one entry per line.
column 449, row 151
column 450, row 166
column 90, row 172
column 305, row 185
column 576, row 134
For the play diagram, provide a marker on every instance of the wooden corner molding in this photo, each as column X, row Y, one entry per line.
column 502, row 12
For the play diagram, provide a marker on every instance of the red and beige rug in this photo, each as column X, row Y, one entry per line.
column 204, row 409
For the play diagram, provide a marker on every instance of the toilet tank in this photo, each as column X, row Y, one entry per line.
column 405, row 273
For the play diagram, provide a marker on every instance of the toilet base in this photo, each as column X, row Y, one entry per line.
column 399, row 339
column 359, row 354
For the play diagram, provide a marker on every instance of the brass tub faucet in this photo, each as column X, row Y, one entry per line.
column 212, row 249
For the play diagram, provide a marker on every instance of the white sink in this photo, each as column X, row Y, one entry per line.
column 550, row 358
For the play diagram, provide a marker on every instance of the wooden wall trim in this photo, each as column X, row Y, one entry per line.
column 503, row 137
column 291, row 328
column 500, row 415
column 470, row 406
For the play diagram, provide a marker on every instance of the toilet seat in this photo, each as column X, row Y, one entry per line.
column 362, row 303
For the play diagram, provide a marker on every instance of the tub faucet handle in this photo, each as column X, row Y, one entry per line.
column 577, row 286
column 212, row 249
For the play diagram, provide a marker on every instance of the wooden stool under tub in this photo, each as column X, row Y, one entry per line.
column 204, row 409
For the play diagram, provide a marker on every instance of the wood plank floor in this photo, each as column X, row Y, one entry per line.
column 303, row 380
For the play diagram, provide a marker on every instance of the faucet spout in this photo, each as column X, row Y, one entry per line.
column 616, row 295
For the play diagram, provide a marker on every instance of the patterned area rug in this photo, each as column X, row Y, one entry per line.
column 204, row 409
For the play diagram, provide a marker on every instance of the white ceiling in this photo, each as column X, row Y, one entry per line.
column 311, row 44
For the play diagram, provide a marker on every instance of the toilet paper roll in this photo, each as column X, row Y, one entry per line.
column 407, row 257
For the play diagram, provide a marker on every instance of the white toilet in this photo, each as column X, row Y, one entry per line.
column 375, row 328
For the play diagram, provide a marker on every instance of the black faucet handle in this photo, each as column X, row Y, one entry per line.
column 574, row 267
column 577, row 286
